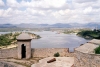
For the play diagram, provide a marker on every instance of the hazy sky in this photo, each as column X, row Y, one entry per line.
column 49, row 11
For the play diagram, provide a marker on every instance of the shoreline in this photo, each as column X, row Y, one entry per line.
column 9, row 46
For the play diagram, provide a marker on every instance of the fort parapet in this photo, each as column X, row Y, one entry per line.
column 8, row 53
column 85, row 56
column 36, row 52
column 49, row 52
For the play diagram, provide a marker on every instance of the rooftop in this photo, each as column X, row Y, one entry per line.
column 88, row 47
column 95, row 41
column 24, row 36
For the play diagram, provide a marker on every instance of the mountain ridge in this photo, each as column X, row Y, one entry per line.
column 57, row 25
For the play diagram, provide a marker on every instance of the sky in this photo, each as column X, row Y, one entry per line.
column 49, row 11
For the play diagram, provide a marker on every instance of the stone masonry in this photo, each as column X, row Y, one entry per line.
column 49, row 52
column 8, row 53
column 85, row 56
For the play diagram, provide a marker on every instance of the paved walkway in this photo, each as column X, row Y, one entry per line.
column 60, row 62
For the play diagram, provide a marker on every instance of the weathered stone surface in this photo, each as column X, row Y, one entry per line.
column 36, row 52
column 8, row 53
column 49, row 52
column 85, row 56
column 28, row 49
column 60, row 62
column 86, row 60
column 9, row 64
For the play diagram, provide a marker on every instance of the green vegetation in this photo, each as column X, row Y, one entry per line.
column 71, row 30
column 68, row 32
column 89, row 34
column 97, row 50
column 8, row 39
column 56, row 54
column 34, row 35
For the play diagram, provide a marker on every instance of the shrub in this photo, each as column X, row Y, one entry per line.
column 56, row 54
column 97, row 50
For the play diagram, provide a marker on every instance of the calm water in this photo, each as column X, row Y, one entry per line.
column 4, row 32
column 53, row 40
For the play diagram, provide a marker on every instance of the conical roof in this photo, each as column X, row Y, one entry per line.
column 24, row 36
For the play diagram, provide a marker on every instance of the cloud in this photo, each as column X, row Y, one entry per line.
column 1, row 3
column 1, row 12
column 83, row 1
column 87, row 10
column 50, row 11
column 43, row 3
column 55, row 3
column 13, row 3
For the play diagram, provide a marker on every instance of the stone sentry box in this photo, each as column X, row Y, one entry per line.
column 24, row 46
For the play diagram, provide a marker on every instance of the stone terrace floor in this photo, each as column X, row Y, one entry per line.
column 60, row 62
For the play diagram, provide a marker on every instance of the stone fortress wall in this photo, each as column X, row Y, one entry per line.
column 8, row 53
column 49, row 52
column 36, row 52
column 86, row 59
column 85, row 55
column 81, row 59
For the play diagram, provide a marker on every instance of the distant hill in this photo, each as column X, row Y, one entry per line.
column 60, row 25
column 57, row 25
column 31, row 25
column 7, row 26
column 93, row 25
